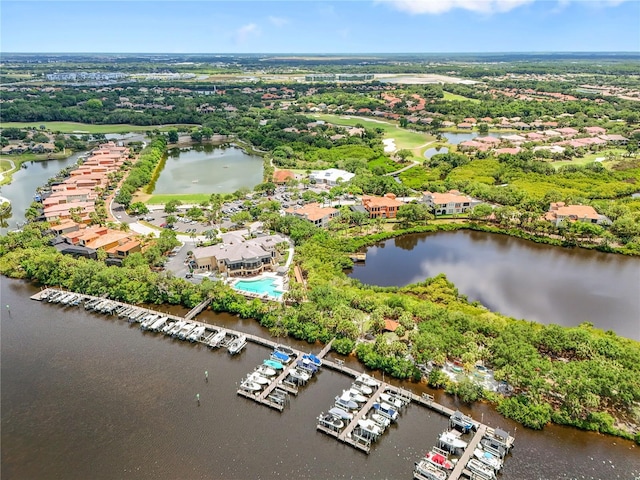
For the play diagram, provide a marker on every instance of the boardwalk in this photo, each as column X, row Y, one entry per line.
column 276, row 394
column 468, row 453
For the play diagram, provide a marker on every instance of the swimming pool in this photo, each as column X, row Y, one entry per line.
column 260, row 286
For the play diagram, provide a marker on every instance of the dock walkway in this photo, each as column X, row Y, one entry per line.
column 468, row 453
column 345, row 436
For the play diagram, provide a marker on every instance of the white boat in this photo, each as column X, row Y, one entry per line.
column 259, row 379
column 356, row 395
column 196, row 333
column 250, row 386
column 380, row 420
column 158, row 324
column 386, row 410
column 299, row 374
column 370, row 426
column 488, row 458
column 237, row 345
column 362, row 388
column 217, row 339
column 452, row 440
column 368, row 381
column 331, row 421
column 168, row 327
column 345, row 402
column 429, row 471
column 480, row 469
column 186, row 329
column 393, row 401
column 265, row 371
column 176, row 326
column 148, row 321
column 341, row 412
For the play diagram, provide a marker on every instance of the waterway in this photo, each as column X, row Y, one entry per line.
column 24, row 183
column 457, row 138
column 89, row 396
column 208, row 169
column 516, row 277
column 430, row 152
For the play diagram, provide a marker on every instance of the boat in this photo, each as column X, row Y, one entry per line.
column 478, row 468
column 462, row 422
column 346, row 403
column 184, row 332
column 237, row 345
column 273, row 364
column 168, row 327
column 148, row 320
column 265, row 371
column 487, row 458
column 313, row 359
column 330, row 420
column 386, row 410
column 176, row 326
column 307, row 365
column 299, row 374
column 250, row 386
column 452, row 440
column 429, row 471
column 158, row 324
column 493, row 447
column 259, row 379
column 217, row 339
column 280, row 357
column 362, row 388
column 341, row 413
column 356, row 395
column 393, row 401
column 370, row 427
column 439, row 460
column 286, row 350
column 196, row 333
column 380, row 419
column 368, row 381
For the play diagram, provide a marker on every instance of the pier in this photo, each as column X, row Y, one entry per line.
column 276, row 395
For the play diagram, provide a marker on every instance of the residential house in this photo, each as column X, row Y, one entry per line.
column 449, row 203
column 239, row 257
column 595, row 130
column 314, row 213
column 559, row 212
column 381, row 207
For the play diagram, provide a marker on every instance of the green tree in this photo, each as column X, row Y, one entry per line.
column 94, row 104
column 483, row 128
column 173, row 136
column 172, row 206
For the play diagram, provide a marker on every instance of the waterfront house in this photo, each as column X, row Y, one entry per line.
column 449, row 203
column 314, row 213
column 381, row 207
column 559, row 212
column 238, row 257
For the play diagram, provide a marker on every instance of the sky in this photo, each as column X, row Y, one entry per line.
column 305, row 26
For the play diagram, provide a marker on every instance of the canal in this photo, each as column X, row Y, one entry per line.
column 24, row 183
column 208, row 169
column 89, row 396
column 516, row 277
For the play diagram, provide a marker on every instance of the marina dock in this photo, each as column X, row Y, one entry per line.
column 277, row 393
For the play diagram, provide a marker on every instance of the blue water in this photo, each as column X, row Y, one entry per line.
column 264, row 285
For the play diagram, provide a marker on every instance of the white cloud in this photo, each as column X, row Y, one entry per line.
column 442, row 6
column 278, row 21
column 246, row 31
column 488, row 7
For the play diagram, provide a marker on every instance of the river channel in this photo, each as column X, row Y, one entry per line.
column 24, row 183
column 516, row 277
column 208, row 169
column 89, row 396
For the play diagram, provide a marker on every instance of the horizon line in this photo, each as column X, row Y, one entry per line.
column 522, row 52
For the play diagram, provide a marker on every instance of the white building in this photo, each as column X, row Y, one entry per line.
column 332, row 176
column 449, row 203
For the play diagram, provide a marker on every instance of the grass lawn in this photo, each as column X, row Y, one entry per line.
column 404, row 139
column 185, row 198
column 73, row 127
column 591, row 157
column 459, row 98
column 386, row 163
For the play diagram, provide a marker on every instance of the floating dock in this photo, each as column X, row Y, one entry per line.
column 277, row 394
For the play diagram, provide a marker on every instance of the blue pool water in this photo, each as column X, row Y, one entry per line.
column 261, row 286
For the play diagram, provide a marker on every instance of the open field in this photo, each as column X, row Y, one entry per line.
column 404, row 139
column 80, row 128
column 164, row 198
column 460, row 98
column 591, row 157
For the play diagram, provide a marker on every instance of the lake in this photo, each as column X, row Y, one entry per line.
column 430, row 152
column 208, row 169
column 25, row 181
column 518, row 278
column 90, row 396
column 457, row 138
